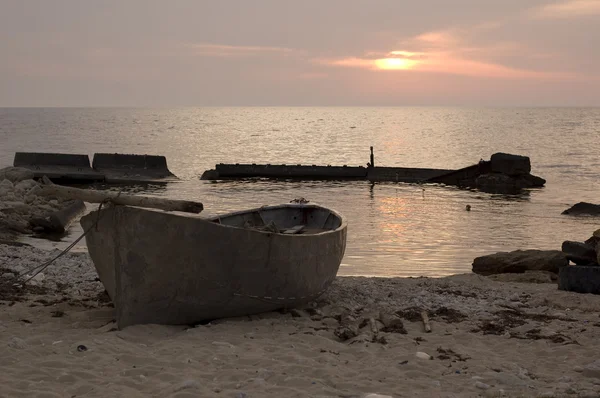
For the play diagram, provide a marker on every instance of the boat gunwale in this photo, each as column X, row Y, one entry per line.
column 343, row 223
column 215, row 218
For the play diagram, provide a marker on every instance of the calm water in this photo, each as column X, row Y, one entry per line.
column 394, row 229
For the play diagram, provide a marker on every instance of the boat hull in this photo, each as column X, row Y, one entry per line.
column 168, row 268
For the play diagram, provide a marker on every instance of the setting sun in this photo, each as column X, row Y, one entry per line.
column 394, row 63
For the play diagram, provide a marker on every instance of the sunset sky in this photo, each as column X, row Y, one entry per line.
column 309, row 52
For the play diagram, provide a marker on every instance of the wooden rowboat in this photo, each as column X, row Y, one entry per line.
column 175, row 268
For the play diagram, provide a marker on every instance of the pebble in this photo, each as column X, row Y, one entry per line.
column 578, row 369
column 17, row 343
column 592, row 370
column 514, row 297
column 482, row 386
column 188, row 384
column 422, row 355
column 223, row 344
column 8, row 275
column 376, row 396
column 240, row 395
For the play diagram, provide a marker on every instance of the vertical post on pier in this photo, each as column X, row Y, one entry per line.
column 372, row 158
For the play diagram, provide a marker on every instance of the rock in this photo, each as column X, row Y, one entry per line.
column 6, row 186
column 580, row 279
column 502, row 183
column 512, row 165
column 520, row 261
column 376, row 396
column 16, row 174
column 592, row 370
column 25, row 185
column 579, row 253
column 17, row 343
column 530, row 181
column 186, row 385
column 583, row 208
column 391, row 323
column 8, row 275
column 296, row 313
column 482, row 386
column 422, row 355
column 526, row 277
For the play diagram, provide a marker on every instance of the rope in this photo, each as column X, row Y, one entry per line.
column 41, row 267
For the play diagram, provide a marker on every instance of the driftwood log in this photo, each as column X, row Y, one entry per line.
column 92, row 196
column 59, row 221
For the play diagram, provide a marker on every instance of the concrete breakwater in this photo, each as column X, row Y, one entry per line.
column 106, row 167
column 502, row 173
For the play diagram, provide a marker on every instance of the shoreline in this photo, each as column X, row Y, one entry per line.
column 488, row 338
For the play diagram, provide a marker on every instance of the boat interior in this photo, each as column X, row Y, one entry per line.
column 284, row 219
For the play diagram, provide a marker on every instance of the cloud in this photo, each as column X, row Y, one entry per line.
column 567, row 9
column 453, row 52
column 223, row 50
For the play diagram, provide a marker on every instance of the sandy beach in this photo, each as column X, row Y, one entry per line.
column 488, row 338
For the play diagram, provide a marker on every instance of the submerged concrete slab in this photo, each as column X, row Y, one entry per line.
column 58, row 166
column 284, row 171
column 404, row 174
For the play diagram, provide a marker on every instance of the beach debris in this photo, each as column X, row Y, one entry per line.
column 519, row 261
column 445, row 354
column 91, row 196
column 426, row 323
column 299, row 200
column 392, row 323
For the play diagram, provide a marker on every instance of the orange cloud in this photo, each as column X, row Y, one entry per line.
column 568, row 9
column 449, row 52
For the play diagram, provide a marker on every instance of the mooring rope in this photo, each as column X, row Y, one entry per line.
column 41, row 267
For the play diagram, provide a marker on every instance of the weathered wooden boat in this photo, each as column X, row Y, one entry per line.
column 175, row 268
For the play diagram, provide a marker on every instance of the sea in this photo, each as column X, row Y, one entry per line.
column 394, row 229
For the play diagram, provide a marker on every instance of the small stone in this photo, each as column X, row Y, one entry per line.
column 422, row 355
column 296, row 313
column 240, row 395
column 186, row 385
column 376, row 396
column 17, row 343
column 592, row 370
column 482, row 386
column 578, row 369
column 223, row 344
column 8, row 275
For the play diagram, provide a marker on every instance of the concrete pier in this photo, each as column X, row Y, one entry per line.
column 504, row 173
column 110, row 168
